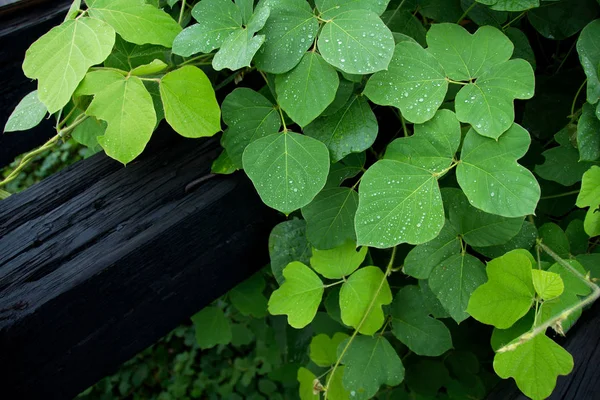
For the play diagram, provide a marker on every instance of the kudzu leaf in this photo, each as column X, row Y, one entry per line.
column 248, row 298
column 241, row 335
column 299, row 296
column 218, row 19
column 223, row 164
column 578, row 239
column 422, row 259
column 356, row 42
column 127, row 56
column 562, row 19
column 249, row 116
column 212, row 327
column 487, row 104
column 346, row 168
column 136, row 21
column 412, row 325
column 414, row 82
column 189, row 102
column 27, row 114
column 73, row 10
column 562, row 165
column 356, row 295
column 522, row 46
column 534, row 365
column 289, row 32
column 524, row 239
column 331, row 8
column 60, row 59
column 589, row 196
column 431, row 302
column 572, row 283
column 352, row 129
column 490, row 176
column 335, row 388
column 287, row 243
column 508, row 294
column 87, row 133
column 588, row 134
column 323, row 349
column 370, row 363
column 152, row 68
column 478, row 228
column 306, row 91
column 342, row 95
column 288, row 169
column 330, row 217
column 96, row 81
column 548, row 285
column 127, row 107
column 483, row 15
column 502, row 337
column 338, row 262
column 426, row 377
column 554, row 237
column 588, row 47
column 511, row 5
column 404, row 22
column 246, row 8
column 307, row 384
column 453, row 282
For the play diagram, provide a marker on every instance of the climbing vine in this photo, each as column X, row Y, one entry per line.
column 437, row 163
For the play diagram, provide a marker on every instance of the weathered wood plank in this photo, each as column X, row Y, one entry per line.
column 99, row 261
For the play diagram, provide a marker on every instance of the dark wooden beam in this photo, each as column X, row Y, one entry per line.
column 99, row 261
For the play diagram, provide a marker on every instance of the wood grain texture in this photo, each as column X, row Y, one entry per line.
column 99, row 261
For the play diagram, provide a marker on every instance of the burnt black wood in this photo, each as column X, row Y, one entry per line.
column 99, row 261
column 21, row 24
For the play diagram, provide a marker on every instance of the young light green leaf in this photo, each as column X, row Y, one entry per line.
column 414, row 82
column 212, row 327
column 249, row 116
column 287, row 243
column 534, row 365
column 223, row 164
column 398, row 202
column 356, row 42
column 331, row 8
column 548, row 285
column 287, row 169
column 308, row 89
column 60, row 59
column 307, row 385
column 338, row 262
column 589, row 196
column 152, row 68
column 73, row 10
column 248, row 298
column 453, row 282
column 335, row 388
column 323, row 349
column 356, row 295
column 330, row 217
column 136, row 21
column 27, row 114
column 299, row 296
column 127, row 107
column 96, row 81
column 588, row 134
column 370, row 363
column 352, row 129
column 492, row 179
column 508, row 294
column 413, row 326
column 189, row 101
column 289, row 32
column 588, row 47
column 218, row 19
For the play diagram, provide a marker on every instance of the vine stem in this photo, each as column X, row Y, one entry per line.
column 514, row 20
column 388, row 271
column 181, row 12
column 26, row 159
column 554, row 196
column 564, row 314
column 467, row 11
column 576, row 97
column 404, row 125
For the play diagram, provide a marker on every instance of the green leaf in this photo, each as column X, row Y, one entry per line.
column 412, row 325
column 356, row 42
column 342, row 95
column 502, row 337
column 589, row 195
column 127, row 56
column 352, row 129
column 96, row 81
column 370, row 363
column 335, row 389
column 431, row 302
column 27, row 114
column 87, row 133
column 511, row 5
column 190, row 104
column 562, row 19
column 548, row 285
column 299, row 296
column 562, row 164
column 287, row 169
column 524, row 239
column 554, row 237
column 588, row 47
column 453, row 282
column 534, row 365
column 404, row 22
column 346, row 168
column 287, row 243
column 307, row 384
column 73, row 10
column 248, row 298
column 588, row 134
column 307, row 90
column 330, row 217
column 508, row 294
column 249, row 116
column 136, row 21
column 323, row 349
column 127, row 107
column 426, row 377
column 246, row 8
column 483, row 15
column 152, row 68
column 331, row 8
column 356, row 295
column 414, row 82
column 422, row 259
column 492, row 179
column 441, row 10
column 578, row 239
column 522, row 46
column 289, row 32
column 60, row 59
column 223, row 164
column 338, row 262
column 218, row 19
column 212, row 327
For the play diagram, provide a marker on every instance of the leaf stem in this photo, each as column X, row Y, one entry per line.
column 554, row 196
column 467, row 11
column 576, row 96
column 334, row 283
column 117, row 70
column 282, row 118
column 201, row 57
column 515, row 19
column 456, row 82
column 404, row 125
column 181, row 12
column 392, row 15
column 566, row 56
column 388, row 271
